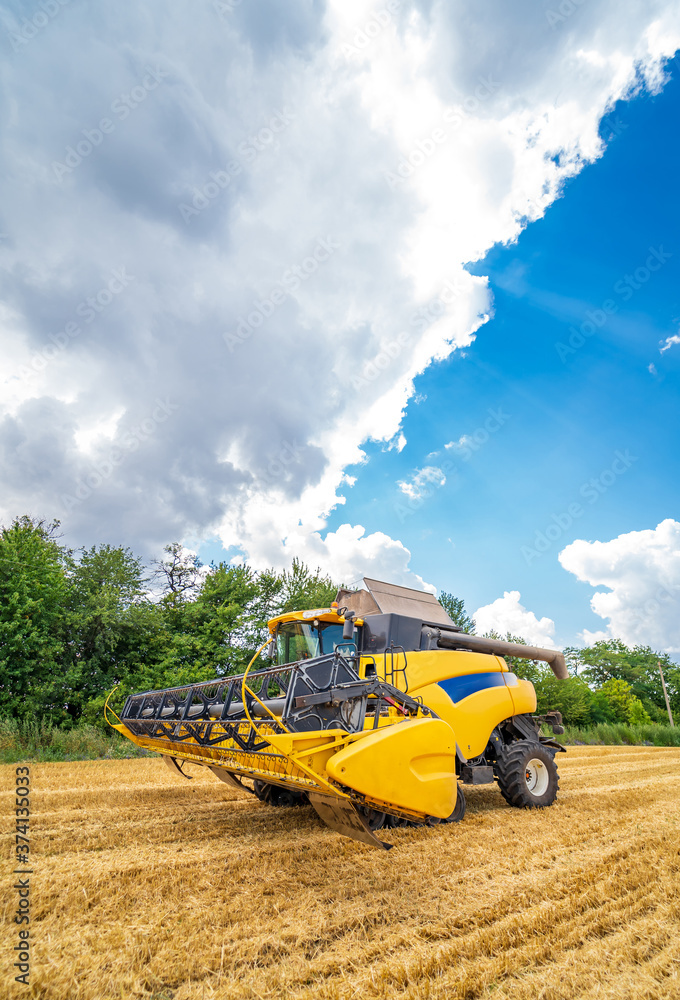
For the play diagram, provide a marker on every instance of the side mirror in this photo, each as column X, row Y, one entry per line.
column 348, row 627
column 271, row 649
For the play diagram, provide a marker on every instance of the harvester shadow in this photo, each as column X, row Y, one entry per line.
column 483, row 798
column 271, row 822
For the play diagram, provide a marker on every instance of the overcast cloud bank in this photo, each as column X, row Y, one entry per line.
column 209, row 155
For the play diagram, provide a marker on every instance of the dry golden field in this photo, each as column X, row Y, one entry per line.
column 147, row 885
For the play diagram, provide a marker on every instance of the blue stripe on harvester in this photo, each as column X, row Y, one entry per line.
column 458, row 688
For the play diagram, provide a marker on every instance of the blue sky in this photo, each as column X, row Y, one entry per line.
column 238, row 309
column 567, row 419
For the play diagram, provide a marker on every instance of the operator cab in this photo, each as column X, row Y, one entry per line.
column 387, row 619
column 304, row 640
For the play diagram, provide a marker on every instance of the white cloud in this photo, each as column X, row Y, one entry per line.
column 419, row 484
column 464, row 442
column 348, row 554
column 398, row 443
column 641, row 570
column 670, row 342
column 257, row 438
column 590, row 638
column 506, row 614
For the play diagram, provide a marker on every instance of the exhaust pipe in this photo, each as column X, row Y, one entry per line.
column 499, row 647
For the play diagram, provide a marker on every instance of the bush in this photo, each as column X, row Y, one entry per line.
column 622, row 734
column 42, row 741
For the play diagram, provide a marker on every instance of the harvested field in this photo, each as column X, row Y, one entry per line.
column 147, row 885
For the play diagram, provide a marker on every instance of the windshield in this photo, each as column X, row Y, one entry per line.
column 303, row 640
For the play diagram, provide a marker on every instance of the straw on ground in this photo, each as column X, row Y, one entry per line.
column 147, row 885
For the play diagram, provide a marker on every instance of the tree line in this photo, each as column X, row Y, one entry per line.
column 73, row 625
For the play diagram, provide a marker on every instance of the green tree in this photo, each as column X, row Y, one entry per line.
column 636, row 713
column 265, row 605
column 455, row 608
column 302, row 589
column 115, row 633
column 611, row 659
column 572, row 697
column 222, row 616
column 33, row 596
column 209, row 634
column 178, row 574
column 136, row 664
column 619, row 695
column 625, row 705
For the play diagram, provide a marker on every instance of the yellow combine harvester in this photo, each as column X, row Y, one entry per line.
column 376, row 711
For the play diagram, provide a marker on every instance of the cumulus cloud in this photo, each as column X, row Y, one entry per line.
column 349, row 553
column 207, row 215
column 641, row 571
column 507, row 614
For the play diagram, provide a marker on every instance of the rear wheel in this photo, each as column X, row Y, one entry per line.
column 527, row 775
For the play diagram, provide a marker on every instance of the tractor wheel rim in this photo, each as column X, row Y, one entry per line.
column 537, row 777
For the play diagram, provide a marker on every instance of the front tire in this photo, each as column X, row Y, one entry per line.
column 458, row 812
column 527, row 775
column 274, row 795
column 376, row 820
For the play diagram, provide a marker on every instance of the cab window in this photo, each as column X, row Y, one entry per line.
column 303, row 640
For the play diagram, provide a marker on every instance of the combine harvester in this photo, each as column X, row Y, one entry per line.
column 376, row 711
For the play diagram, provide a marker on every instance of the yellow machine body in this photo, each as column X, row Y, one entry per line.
column 473, row 692
column 411, row 765
column 426, row 713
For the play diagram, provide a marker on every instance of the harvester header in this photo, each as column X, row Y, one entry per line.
column 376, row 710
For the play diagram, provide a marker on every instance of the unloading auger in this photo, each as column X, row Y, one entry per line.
column 376, row 711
